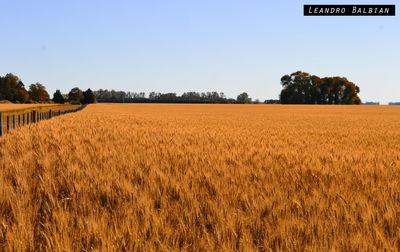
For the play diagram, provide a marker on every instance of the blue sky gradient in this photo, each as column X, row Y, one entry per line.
column 209, row 45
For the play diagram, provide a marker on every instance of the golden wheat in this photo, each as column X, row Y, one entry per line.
column 203, row 177
column 8, row 107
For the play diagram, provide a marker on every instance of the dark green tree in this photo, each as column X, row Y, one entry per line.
column 303, row 88
column 88, row 97
column 75, row 96
column 297, row 88
column 243, row 98
column 58, row 97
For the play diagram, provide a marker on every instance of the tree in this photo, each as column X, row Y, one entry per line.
column 21, row 95
column 297, row 88
column 37, row 92
column 75, row 96
column 168, row 98
column 153, row 96
column 12, row 89
column 243, row 98
column 88, row 97
column 303, row 88
column 58, row 97
column 272, row 101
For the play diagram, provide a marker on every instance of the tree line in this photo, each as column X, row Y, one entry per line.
column 13, row 89
column 298, row 88
column 104, row 95
column 303, row 88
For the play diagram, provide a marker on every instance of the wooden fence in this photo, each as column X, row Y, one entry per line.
column 13, row 119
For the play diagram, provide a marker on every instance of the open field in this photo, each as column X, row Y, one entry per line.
column 25, row 108
column 203, row 177
column 7, row 107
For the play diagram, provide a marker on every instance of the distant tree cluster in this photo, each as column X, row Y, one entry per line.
column 243, row 98
column 370, row 103
column 13, row 89
column 271, row 101
column 303, row 88
column 153, row 97
column 75, row 96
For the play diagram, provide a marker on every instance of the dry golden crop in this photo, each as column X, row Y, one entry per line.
column 8, row 107
column 203, row 177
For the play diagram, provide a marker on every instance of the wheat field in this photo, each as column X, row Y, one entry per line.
column 140, row 177
column 13, row 107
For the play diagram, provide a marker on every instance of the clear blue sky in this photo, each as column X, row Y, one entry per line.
column 227, row 46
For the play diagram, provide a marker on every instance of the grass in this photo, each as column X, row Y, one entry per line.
column 203, row 177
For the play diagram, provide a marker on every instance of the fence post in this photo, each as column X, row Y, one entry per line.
column 1, row 125
column 8, row 123
column 13, row 121
column 50, row 114
column 19, row 120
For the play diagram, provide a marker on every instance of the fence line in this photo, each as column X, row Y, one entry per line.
column 16, row 119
